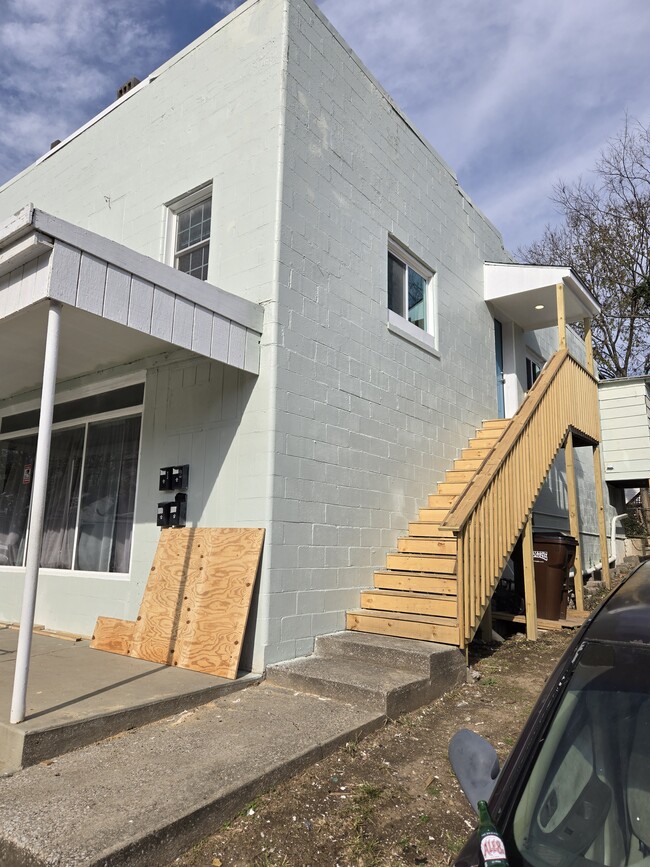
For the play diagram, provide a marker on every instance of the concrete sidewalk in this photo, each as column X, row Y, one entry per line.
column 145, row 796
column 77, row 695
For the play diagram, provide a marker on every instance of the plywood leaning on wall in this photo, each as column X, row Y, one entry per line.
column 196, row 602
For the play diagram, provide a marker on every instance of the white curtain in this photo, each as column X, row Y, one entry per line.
column 16, row 466
column 62, row 499
column 108, row 496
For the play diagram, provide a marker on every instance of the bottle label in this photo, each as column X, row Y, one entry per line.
column 492, row 848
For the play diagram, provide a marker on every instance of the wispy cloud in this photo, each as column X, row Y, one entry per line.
column 61, row 61
column 513, row 94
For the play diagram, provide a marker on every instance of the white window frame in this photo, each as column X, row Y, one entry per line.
column 424, row 338
column 82, row 421
column 172, row 211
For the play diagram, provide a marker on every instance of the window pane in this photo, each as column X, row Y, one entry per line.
column 193, row 225
column 195, row 263
column 396, row 280
column 108, row 496
column 62, row 498
column 16, row 467
column 417, row 299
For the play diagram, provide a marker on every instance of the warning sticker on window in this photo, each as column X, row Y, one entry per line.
column 27, row 474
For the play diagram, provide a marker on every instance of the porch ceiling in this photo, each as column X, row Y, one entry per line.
column 526, row 294
column 88, row 344
column 118, row 305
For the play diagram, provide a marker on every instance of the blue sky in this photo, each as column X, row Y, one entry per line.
column 512, row 93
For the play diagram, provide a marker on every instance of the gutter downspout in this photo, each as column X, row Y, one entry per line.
column 37, row 513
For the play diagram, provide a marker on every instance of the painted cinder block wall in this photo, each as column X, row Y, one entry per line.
column 366, row 421
column 349, row 425
column 210, row 114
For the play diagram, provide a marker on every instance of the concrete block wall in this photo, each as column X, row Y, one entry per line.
column 366, row 421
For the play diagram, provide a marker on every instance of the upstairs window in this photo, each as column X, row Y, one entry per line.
column 410, row 295
column 189, row 232
column 532, row 372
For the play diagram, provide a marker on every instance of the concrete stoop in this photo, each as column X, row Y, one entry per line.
column 147, row 795
column 380, row 672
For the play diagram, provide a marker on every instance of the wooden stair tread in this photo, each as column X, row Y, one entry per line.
column 429, row 529
column 424, row 545
column 404, row 601
column 423, row 627
column 411, row 581
column 437, row 563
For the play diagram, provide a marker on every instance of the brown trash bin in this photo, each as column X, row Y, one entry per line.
column 553, row 555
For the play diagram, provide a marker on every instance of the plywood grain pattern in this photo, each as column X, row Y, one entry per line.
column 210, row 635
column 198, row 595
column 113, row 635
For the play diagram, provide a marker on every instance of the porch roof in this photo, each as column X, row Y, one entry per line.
column 525, row 294
column 118, row 305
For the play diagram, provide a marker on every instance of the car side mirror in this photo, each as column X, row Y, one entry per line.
column 475, row 763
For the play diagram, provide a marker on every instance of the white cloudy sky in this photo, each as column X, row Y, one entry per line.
column 512, row 93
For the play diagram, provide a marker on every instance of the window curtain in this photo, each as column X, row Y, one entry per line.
column 108, row 496
column 16, row 467
column 62, row 499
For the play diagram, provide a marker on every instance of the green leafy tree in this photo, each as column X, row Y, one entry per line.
column 605, row 237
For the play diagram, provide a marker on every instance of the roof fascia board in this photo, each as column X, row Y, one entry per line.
column 206, row 295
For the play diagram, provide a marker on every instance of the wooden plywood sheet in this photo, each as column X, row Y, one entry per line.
column 113, row 635
column 198, row 595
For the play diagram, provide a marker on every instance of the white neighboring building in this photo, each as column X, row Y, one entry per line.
column 320, row 392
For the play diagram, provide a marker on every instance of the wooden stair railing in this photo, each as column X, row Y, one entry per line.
column 438, row 584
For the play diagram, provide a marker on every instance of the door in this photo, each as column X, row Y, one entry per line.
column 498, row 351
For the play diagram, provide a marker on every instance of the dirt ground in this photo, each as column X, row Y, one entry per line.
column 390, row 799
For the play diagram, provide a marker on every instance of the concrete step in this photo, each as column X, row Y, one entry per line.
column 379, row 672
column 388, row 690
column 441, row 663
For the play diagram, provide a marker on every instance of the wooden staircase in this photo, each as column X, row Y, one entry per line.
column 439, row 583
column 416, row 596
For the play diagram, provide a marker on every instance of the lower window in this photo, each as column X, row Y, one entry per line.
column 90, row 496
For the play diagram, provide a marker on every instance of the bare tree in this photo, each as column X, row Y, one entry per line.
column 605, row 237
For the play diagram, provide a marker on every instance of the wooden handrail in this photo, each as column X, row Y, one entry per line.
column 488, row 517
column 464, row 506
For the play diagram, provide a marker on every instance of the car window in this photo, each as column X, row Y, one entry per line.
column 586, row 800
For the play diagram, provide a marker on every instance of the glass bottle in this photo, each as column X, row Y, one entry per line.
column 493, row 852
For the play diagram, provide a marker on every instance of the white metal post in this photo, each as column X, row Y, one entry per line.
column 37, row 513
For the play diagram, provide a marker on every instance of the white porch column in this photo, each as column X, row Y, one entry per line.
column 37, row 513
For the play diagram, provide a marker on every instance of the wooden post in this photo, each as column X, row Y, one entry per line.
column 602, row 527
column 589, row 346
column 529, row 581
column 574, row 521
column 561, row 315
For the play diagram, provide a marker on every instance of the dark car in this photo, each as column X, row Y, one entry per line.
column 575, row 791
